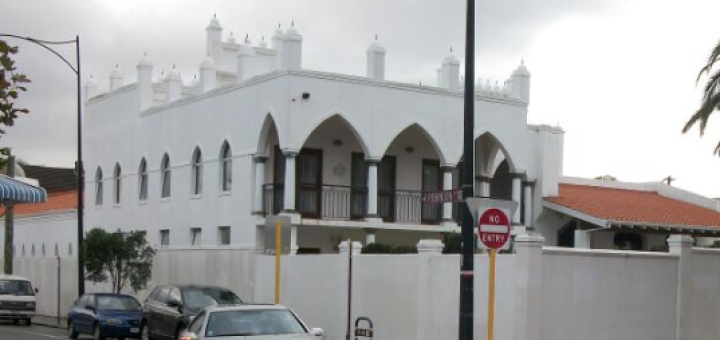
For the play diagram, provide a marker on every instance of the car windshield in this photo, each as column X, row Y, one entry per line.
column 252, row 322
column 118, row 303
column 15, row 287
column 197, row 297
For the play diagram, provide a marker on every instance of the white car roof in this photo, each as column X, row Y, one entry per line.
column 13, row 277
column 216, row 308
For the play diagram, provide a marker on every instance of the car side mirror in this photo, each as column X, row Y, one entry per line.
column 173, row 302
column 37, row 290
column 188, row 336
column 319, row 332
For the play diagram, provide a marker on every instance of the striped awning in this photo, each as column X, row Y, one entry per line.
column 14, row 191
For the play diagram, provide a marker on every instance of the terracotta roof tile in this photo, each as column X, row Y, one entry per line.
column 56, row 201
column 633, row 206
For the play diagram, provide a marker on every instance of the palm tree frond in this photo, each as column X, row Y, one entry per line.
column 714, row 56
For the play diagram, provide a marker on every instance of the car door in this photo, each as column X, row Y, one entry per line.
column 86, row 315
column 76, row 312
column 155, row 312
column 171, row 314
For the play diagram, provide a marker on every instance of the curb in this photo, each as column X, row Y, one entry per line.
column 48, row 324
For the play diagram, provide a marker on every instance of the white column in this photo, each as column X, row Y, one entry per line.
column 289, row 199
column 528, row 286
column 293, row 239
column 370, row 236
column 447, row 185
column 527, row 209
column 516, row 193
column 259, row 182
column 681, row 246
column 582, row 239
column 484, row 189
column 372, row 183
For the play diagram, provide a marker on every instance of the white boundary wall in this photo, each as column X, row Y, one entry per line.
column 542, row 293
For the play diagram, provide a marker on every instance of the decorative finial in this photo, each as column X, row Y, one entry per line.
column 162, row 73
column 145, row 54
column 232, row 33
column 214, row 15
column 376, row 37
column 195, row 76
column 450, row 48
column 279, row 25
column 247, row 37
column 522, row 61
column 173, row 65
column 91, row 76
column 292, row 23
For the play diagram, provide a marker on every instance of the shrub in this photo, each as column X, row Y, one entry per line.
column 382, row 248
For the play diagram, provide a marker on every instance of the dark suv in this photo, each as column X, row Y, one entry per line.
column 169, row 309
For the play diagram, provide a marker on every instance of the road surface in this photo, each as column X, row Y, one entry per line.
column 9, row 331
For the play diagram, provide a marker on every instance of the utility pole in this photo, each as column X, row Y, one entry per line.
column 9, row 222
column 468, row 244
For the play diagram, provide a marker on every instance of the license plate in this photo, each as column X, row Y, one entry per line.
column 135, row 330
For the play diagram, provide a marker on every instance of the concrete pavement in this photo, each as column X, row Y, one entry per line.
column 8, row 331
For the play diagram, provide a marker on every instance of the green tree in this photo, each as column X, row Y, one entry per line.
column 711, row 95
column 11, row 84
column 123, row 258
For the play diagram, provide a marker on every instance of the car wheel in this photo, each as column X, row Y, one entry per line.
column 72, row 333
column 96, row 333
column 15, row 322
column 28, row 322
column 144, row 332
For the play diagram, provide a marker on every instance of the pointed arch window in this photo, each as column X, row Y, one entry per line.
column 165, row 176
column 226, row 167
column 197, row 172
column 98, row 186
column 142, row 180
column 117, row 183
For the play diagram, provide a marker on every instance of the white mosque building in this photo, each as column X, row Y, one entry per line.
column 204, row 163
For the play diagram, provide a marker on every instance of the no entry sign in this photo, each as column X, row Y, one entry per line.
column 494, row 228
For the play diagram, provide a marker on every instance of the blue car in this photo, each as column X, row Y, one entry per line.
column 105, row 315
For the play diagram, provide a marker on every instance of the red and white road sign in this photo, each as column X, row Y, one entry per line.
column 494, row 228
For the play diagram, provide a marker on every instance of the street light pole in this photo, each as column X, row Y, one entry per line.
column 80, row 174
column 468, row 241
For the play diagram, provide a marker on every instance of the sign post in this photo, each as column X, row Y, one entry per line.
column 494, row 233
column 277, row 228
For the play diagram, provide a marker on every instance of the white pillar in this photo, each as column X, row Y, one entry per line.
column 289, row 199
column 447, row 185
column 372, row 183
column 528, row 286
column 427, row 288
column 259, row 182
column 516, row 193
column 484, row 189
column 370, row 236
column 116, row 78
column 208, row 74
column 527, row 208
column 375, row 66
column 174, row 86
column 145, row 85
column 582, row 239
column 294, row 239
column 681, row 246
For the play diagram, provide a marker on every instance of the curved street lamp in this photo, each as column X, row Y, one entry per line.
column 78, row 165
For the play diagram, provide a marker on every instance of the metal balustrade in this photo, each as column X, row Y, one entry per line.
column 337, row 202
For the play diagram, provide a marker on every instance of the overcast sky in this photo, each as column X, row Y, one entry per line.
column 617, row 75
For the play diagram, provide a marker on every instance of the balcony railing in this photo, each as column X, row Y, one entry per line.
column 335, row 202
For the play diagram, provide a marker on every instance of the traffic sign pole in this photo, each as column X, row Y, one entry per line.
column 278, row 256
column 491, row 295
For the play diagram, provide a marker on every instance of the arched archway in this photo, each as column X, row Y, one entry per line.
column 414, row 154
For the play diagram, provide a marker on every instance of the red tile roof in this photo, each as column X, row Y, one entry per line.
column 638, row 207
column 56, row 202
